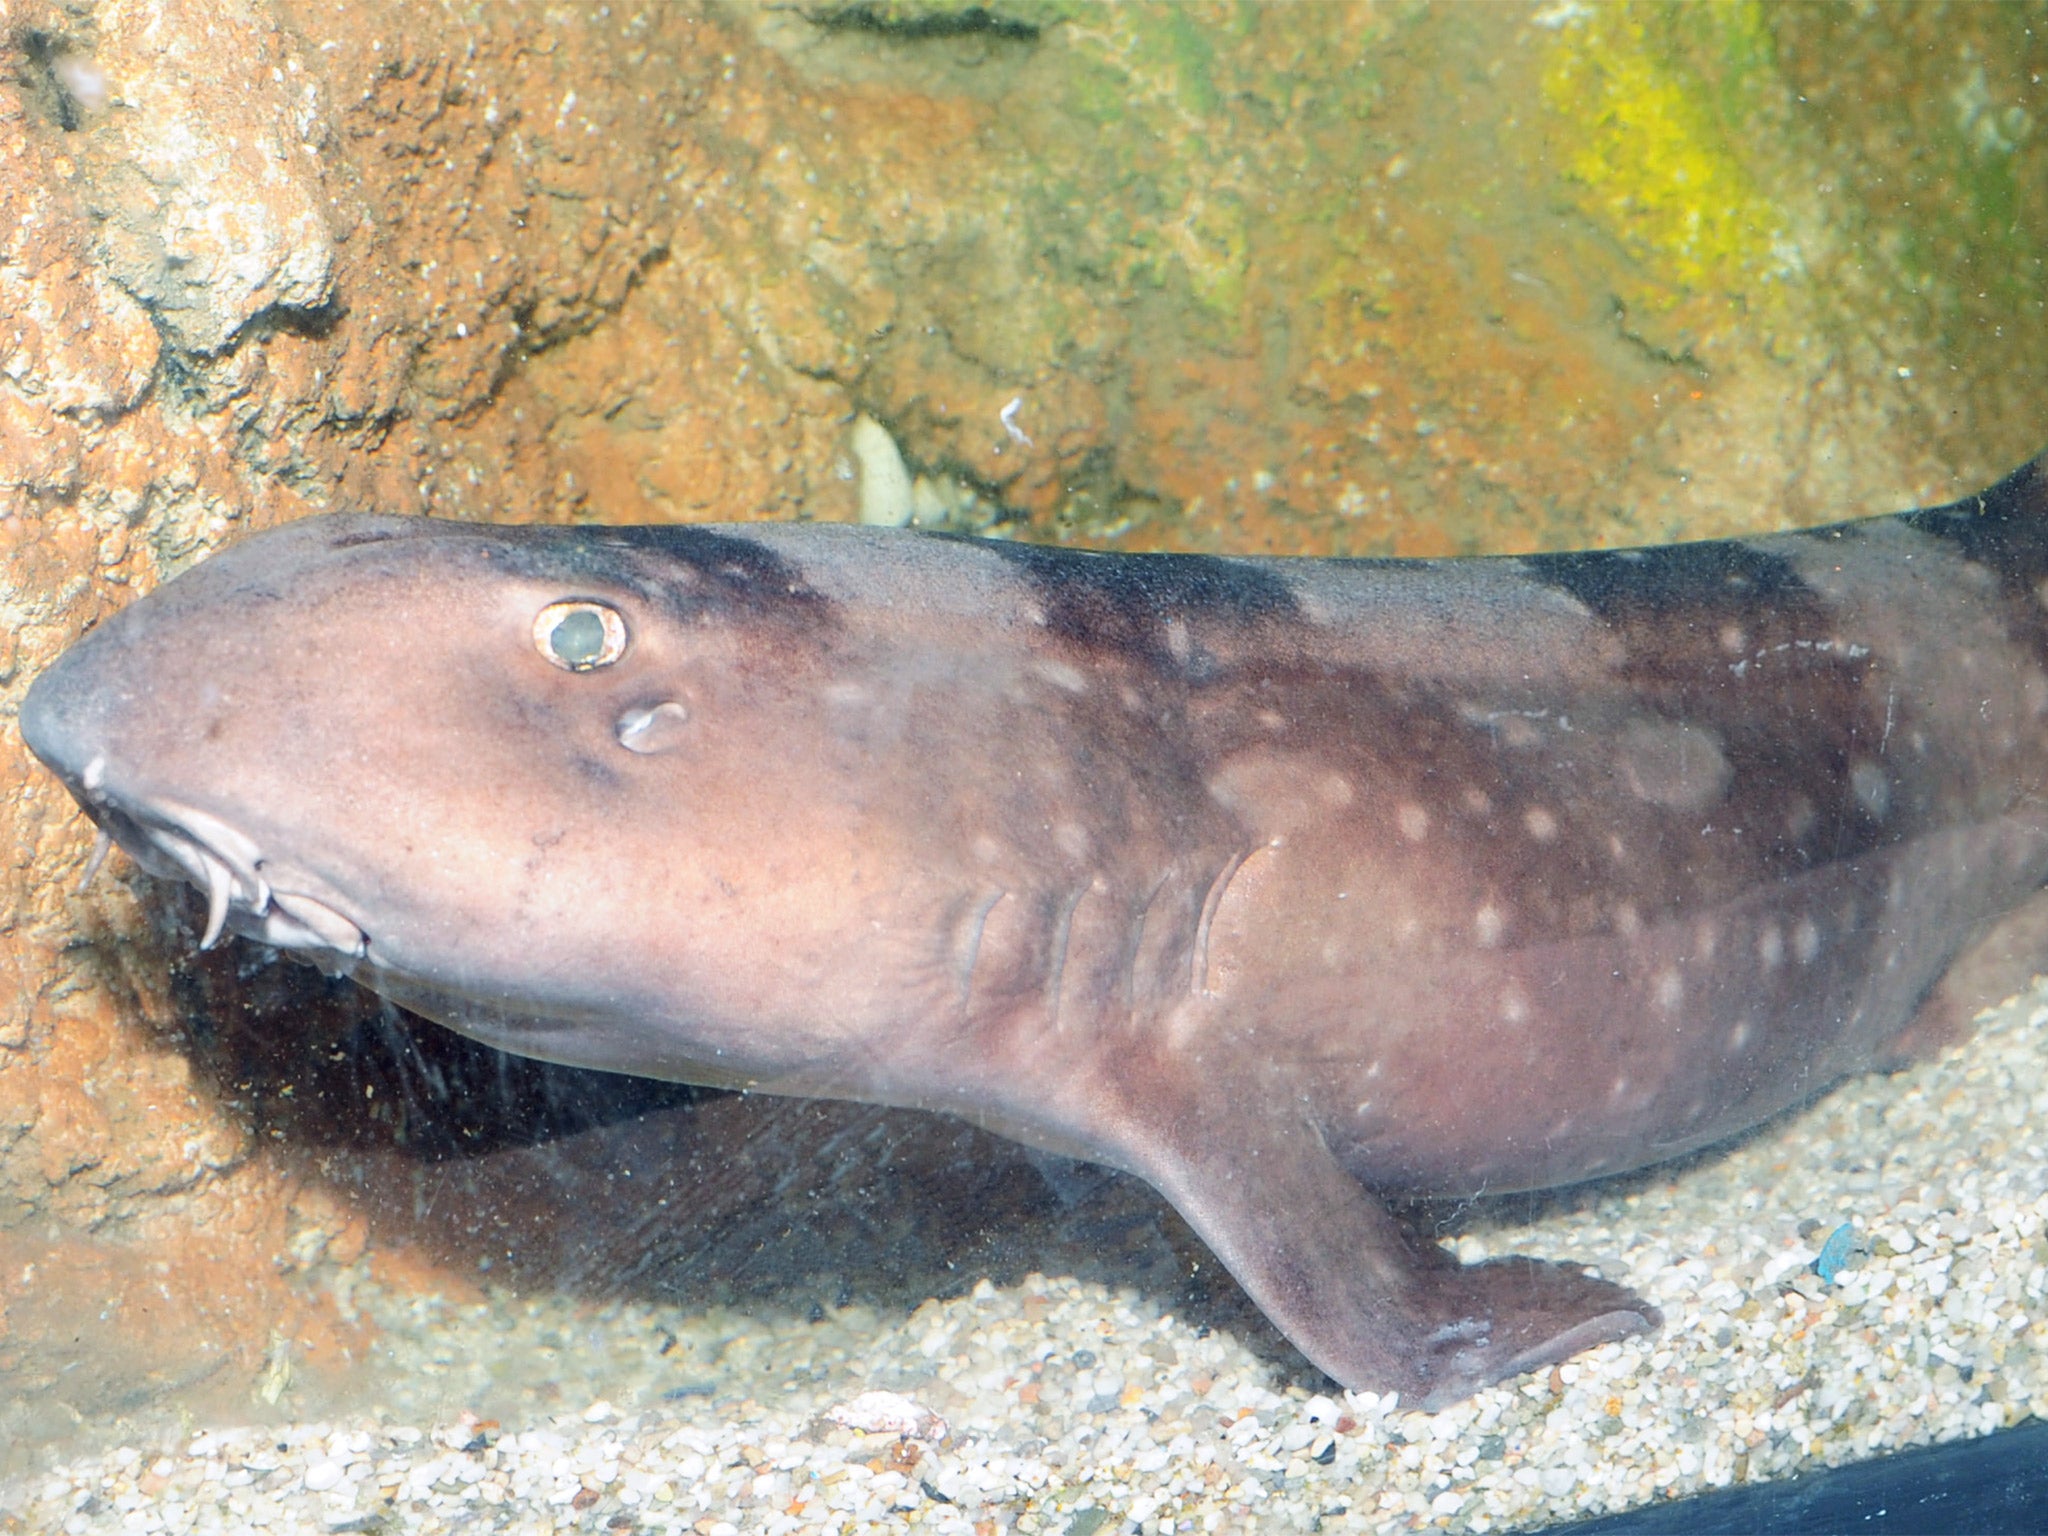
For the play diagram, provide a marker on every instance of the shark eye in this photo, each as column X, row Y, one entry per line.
column 579, row 635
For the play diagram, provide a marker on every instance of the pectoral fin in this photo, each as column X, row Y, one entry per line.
column 1367, row 1300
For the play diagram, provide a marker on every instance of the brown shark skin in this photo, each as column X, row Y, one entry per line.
column 1285, row 885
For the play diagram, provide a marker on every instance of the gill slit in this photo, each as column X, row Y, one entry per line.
column 1198, row 977
column 1056, row 969
column 1135, row 946
column 978, row 928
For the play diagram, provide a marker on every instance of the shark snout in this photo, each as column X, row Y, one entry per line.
column 70, row 720
column 60, row 724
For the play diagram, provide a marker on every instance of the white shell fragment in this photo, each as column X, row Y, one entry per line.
column 889, row 1413
column 885, row 490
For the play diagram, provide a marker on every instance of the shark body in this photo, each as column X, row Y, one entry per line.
column 1287, row 885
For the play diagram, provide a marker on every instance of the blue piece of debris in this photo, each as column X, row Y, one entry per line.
column 1836, row 1253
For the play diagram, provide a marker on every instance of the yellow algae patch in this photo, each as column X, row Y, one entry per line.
column 1647, row 137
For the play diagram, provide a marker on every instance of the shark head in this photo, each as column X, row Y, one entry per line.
column 452, row 761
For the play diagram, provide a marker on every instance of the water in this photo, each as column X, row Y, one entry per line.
column 1309, row 279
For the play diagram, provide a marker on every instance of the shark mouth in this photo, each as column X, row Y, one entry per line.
column 179, row 843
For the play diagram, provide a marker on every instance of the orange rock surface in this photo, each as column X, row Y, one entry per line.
column 1291, row 279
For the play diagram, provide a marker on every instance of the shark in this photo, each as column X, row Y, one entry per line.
column 1301, row 889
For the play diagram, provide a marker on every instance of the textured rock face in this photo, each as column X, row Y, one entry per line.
column 205, row 135
column 210, row 318
column 1157, row 276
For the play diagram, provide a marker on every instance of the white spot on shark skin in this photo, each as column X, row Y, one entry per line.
column 1872, row 787
column 1620, row 1087
column 1670, row 990
column 1733, row 639
column 1770, row 947
column 1072, row 840
column 1478, row 801
column 1617, row 850
column 1488, row 924
column 1628, row 922
column 1060, row 675
column 1334, row 789
column 1805, row 941
column 1483, row 714
column 1539, row 823
column 1514, row 1007
column 1179, row 644
column 1799, row 819
column 1671, row 764
column 1706, row 938
column 987, row 850
column 1413, row 821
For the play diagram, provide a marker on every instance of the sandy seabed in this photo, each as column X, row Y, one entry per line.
column 1066, row 1406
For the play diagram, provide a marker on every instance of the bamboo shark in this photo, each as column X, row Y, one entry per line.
column 1291, row 886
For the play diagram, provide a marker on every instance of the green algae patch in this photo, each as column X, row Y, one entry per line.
column 1382, row 277
column 1650, row 99
column 1972, row 138
column 1146, row 77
